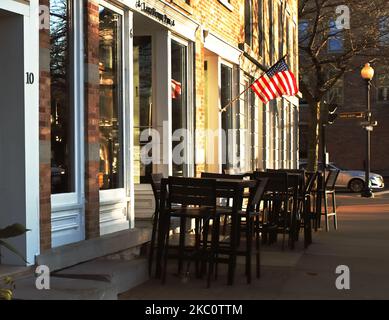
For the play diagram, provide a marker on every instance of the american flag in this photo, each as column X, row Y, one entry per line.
column 276, row 82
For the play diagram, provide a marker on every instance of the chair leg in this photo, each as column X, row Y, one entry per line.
column 318, row 210
column 152, row 243
column 326, row 210
column 197, row 246
column 249, row 240
column 166, row 249
column 181, row 250
column 258, row 247
column 205, row 246
column 334, row 210
column 307, row 223
column 214, row 240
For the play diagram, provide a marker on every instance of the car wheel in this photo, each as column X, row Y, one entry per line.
column 356, row 185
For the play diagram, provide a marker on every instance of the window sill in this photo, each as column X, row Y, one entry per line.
column 228, row 5
column 183, row 5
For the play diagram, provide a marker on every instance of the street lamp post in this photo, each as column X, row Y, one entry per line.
column 367, row 74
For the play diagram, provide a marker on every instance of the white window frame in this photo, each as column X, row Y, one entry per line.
column 234, row 88
column 76, row 199
column 190, row 99
column 118, row 194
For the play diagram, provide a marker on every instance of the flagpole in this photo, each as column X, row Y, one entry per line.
column 248, row 87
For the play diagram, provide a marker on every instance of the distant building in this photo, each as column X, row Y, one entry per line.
column 346, row 140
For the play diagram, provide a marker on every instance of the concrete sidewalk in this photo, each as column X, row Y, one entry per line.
column 361, row 243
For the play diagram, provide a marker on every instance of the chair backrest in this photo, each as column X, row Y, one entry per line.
column 277, row 181
column 256, row 194
column 331, row 178
column 213, row 175
column 300, row 172
column 192, row 191
column 223, row 191
column 156, row 179
column 310, row 181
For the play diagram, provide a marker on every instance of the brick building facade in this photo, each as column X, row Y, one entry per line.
column 112, row 73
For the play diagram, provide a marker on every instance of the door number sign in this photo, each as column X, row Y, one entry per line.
column 30, row 78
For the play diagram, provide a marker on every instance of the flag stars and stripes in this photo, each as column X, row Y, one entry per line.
column 276, row 82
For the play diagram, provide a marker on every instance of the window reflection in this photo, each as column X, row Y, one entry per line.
column 142, row 103
column 227, row 116
column 110, row 124
column 179, row 98
column 62, row 155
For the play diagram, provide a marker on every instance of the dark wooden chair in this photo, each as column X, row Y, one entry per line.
column 251, row 226
column 330, row 191
column 197, row 198
column 252, row 216
column 224, row 209
column 305, row 207
column 279, row 205
column 156, row 186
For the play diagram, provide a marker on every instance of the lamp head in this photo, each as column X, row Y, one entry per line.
column 367, row 72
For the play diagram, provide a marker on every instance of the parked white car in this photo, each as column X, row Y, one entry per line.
column 352, row 180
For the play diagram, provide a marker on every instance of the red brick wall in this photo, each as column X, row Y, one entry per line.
column 92, row 221
column 44, row 139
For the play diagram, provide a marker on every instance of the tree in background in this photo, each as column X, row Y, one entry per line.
column 333, row 37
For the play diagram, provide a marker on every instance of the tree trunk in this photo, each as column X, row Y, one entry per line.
column 313, row 136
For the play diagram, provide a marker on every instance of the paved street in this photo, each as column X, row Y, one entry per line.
column 361, row 243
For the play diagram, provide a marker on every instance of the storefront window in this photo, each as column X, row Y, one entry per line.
column 142, row 103
column 248, row 22
column 62, row 118
column 227, row 116
column 179, row 103
column 110, row 124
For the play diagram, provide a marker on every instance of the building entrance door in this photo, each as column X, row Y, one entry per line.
column 19, row 120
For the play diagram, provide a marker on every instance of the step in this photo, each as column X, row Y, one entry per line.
column 87, row 250
column 120, row 274
column 64, row 289
column 14, row 271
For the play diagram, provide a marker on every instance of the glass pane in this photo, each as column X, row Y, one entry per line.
column 110, row 124
column 179, row 99
column 62, row 140
column 248, row 22
column 227, row 116
column 142, row 103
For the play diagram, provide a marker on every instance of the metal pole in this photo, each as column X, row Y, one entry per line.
column 366, row 192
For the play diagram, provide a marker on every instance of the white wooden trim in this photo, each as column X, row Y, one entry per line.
column 31, row 116
column 184, row 26
column 18, row 7
column 75, row 200
column 189, row 101
column 111, row 7
column 129, row 120
column 115, row 200
column 223, row 49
